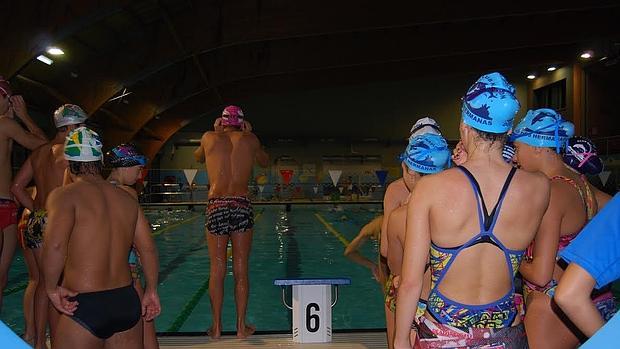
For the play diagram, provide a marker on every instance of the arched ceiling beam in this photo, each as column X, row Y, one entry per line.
column 518, row 11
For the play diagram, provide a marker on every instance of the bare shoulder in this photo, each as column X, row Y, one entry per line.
column 395, row 187
column 129, row 191
column 444, row 181
column 249, row 137
column 535, row 187
column 63, row 196
column 208, row 135
column 5, row 124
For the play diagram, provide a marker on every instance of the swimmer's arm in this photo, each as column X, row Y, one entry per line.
column 20, row 182
column 30, row 140
column 602, row 198
column 66, row 177
column 573, row 296
column 539, row 270
column 60, row 220
column 148, row 251
column 395, row 248
column 417, row 245
column 262, row 158
column 352, row 252
column 388, row 206
column 199, row 154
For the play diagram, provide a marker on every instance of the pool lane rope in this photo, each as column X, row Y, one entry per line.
column 170, row 227
column 189, row 307
column 332, row 230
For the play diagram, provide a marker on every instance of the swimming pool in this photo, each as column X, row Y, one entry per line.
column 286, row 244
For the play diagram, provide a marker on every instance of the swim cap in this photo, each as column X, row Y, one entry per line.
column 83, row 144
column 424, row 125
column 427, row 153
column 543, row 128
column 232, row 116
column 5, row 87
column 125, row 155
column 490, row 104
column 69, row 114
column 508, row 153
column 581, row 155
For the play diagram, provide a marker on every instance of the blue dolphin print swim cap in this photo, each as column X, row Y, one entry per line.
column 490, row 104
column 543, row 128
column 427, row 153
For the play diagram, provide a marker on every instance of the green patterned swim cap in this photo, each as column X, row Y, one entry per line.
column 83, row 144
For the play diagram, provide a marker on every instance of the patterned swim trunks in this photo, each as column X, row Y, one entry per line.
column 228, row 215
column 33, row 236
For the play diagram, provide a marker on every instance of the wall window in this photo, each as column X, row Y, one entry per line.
column 551, row 96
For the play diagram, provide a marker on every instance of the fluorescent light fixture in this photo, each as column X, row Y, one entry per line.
column 552, row 68
column 45, row 59
column 55, row 51
column 586, row 54
column 531, row 76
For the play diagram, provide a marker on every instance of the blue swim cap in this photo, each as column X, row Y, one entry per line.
column 543, row 128
column 426, row 153
column 490, row 104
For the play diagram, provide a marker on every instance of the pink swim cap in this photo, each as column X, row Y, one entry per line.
column 5, row 87
column 232, row 116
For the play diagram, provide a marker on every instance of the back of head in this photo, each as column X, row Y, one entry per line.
column 232, row 116
column 543, row 128
column 125, row 155
column 424, row 125
column 83, row 150
column 490, row 104
column 581, row 156
column 5, row 87
column 69, row 114
column 426, row 154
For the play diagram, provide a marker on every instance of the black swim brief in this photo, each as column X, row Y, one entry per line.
column 105, row 313
column 230, row 214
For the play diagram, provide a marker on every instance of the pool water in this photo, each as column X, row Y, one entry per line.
column 286, row 245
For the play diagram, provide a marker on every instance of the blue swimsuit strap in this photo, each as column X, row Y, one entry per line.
column 484, row 220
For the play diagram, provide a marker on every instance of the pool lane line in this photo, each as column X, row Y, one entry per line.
column 179, row 321
column 188, row 308
column 332, row 230
column 17, row 288
column 187, row 220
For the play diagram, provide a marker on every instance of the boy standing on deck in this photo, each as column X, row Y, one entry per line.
column 229, row 152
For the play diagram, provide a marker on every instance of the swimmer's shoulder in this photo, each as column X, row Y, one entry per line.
column 129, row 190
column 535, row 187
column 396, row 186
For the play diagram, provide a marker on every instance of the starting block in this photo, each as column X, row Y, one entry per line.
column 312, row 307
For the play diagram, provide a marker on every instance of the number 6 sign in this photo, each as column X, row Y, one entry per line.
column 312, row 307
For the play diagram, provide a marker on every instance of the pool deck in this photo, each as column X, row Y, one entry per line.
column 358, row 340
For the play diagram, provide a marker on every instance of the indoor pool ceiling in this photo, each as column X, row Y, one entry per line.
column 145, row 69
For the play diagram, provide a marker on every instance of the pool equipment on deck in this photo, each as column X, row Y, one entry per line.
column 312, row 307
column 8, row 339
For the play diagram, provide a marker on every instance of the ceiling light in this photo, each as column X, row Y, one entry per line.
column 55, row 51
column 586, row 54
column 45, row 59
column 552, row 68
column 531, row 76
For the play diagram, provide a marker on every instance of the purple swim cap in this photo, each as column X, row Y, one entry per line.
column 232, row 116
